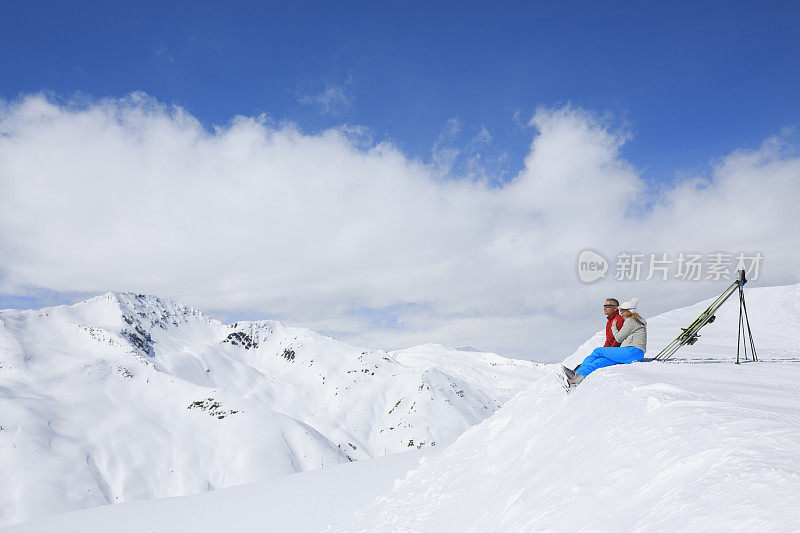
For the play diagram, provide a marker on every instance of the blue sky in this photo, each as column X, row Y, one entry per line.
column 691, row 81
column 256, row 220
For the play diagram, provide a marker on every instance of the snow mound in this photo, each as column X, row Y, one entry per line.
column 647, row 446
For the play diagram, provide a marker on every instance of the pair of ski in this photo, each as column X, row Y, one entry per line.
column 570, row 379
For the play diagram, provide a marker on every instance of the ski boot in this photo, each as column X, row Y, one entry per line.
column 572, row 378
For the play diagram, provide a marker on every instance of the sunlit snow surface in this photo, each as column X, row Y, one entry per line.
column 697, row 443
column 306, row 501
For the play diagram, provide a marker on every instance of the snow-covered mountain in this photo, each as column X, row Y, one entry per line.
column 129, row 396
column 694, row 444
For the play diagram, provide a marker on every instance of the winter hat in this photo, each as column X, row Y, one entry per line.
column 630, row 304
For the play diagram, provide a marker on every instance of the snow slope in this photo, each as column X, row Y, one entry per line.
column 698, row 443
column 127, row 397
column 646, row 447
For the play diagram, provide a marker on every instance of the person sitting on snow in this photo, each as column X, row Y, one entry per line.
column 632, row 337
column 610, row 309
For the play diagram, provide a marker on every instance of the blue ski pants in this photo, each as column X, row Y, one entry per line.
column 607, row 356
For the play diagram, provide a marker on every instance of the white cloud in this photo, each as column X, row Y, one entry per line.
column 350, row 237
column 454, row 157
column 332, row 99
column 162, row 53
column 444, row 152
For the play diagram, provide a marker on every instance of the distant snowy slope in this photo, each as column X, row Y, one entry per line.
column 708, row 445
column 128, row 396
column 774, row 314
column 497, row 376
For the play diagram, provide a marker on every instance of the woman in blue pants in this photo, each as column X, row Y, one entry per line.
column 632, row 337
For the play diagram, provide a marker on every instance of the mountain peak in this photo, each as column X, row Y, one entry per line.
column 148, row 309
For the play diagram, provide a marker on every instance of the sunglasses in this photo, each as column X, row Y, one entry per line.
column 609, row 305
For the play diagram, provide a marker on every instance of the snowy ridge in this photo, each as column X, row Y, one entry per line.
column 129, row 396
column 477, row 369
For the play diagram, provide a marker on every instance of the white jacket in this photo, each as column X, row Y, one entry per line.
column 632, row 333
